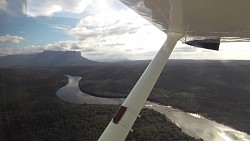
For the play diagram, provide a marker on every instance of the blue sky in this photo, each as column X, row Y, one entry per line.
column 99, row 29
column 34, row 30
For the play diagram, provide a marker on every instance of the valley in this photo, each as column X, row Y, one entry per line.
column 217, row 90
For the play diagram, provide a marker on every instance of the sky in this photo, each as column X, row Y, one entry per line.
column 101, row 30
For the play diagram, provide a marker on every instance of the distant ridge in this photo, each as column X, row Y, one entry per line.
column 45, row 58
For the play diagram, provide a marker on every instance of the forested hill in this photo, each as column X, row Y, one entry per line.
column 45, row 59
column 216, row 89
column 31, row 111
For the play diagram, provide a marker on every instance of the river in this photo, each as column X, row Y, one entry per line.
column 192, row 124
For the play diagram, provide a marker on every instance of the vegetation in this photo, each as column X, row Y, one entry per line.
column 217, row 90
column 30, row 111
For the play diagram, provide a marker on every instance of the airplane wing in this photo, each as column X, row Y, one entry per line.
column 205, row 23
column 201, row 23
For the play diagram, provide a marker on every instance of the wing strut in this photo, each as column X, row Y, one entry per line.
column 121, row 124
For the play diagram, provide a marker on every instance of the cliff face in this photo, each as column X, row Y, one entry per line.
column 50, row 53
column 46, row 58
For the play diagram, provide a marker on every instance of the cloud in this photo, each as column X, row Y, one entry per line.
column 12, row 8
column 228, row 51
column 109, row 33
column 61, row 27
column 11, row 39
column 185, row 48
column 58, row 46
column 114, row 23
column 93, row 50
column 3, row 5
column 88, row 48
column 106, row 33
column 121, row 33
column 49, row 7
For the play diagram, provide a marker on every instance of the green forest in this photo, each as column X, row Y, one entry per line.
column 217, row 90
column 31, row 111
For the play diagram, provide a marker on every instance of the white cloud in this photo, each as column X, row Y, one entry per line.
column 3, row 5
column 119, row 33
column 227, row 51
column 113, row 34
column 11, row 39
column 58, row 46
column 107, row 24
column 107, row 33
column 103, row 51
column 49, row 7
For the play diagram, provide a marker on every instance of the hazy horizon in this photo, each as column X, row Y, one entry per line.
column 99, row 29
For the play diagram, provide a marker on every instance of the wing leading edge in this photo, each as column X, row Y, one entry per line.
column 206, row 23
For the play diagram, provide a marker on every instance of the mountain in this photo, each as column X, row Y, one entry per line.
column 45, row 59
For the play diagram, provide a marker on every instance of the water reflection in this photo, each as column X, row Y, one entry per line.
column 196, row 115
column 71, row 93
column 190, row 123
column 198, row 126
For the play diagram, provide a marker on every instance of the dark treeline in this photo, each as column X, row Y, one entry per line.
column 217, row 90
column 30, row 111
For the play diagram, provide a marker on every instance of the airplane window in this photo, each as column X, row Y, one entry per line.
column 134, row 70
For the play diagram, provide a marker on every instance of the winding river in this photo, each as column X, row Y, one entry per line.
column 192, row 124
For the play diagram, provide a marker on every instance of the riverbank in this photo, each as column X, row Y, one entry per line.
column 30, row 110
column 197, row 125
column 211, row 89
column 190, row 124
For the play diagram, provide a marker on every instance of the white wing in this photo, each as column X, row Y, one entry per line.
column 202, row 23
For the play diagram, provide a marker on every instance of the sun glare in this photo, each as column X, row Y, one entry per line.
column 103, row 6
